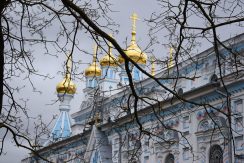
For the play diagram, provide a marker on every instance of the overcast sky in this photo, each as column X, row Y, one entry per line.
column 43, row 103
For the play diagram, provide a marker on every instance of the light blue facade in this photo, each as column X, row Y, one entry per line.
column 193, row 128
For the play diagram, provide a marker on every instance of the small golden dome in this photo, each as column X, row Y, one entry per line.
column 133, row 51
column 67, row 85
column 94, row 69
column 109, row 59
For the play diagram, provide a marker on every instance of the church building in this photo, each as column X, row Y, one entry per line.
column 187, row 112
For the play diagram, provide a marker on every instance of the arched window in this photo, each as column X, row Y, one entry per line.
column 111, row 75
column 180, row 91
column 90, row 83
column 170, row 158
column 136, row 74
column 104, row 72
column 216, row 154
column 214, row 78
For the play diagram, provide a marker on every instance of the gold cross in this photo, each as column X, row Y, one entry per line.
column 110, row 45
column 68, row 65
column 95, row 53
column 153, row 59
column 171, row 59
column 134, row 17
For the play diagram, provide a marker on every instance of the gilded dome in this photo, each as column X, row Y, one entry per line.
column 93, row 70
column 109, row 59
column 133, row 51
column 66, row 86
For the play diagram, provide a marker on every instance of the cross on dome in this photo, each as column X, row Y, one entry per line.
column 134, row 17
column 68, row 65
column 95, row 53
column 171, row 59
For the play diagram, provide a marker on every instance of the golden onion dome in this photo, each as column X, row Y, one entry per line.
column 67, row 85
column 109, row 59
column 94, row 69
column 133, row 51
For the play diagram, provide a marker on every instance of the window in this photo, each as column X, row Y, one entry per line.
column 239, row 106
column 90, row 83
column 184, row 139
column 186, row 122
column 186, row 153
column 95, row 83
column 170, row 158
column 136, row 74
column 206, row 65
column 116, row 143
column 238, row 160
column 146, row 144
column 180, row 91
column 239, row 143
column 111, row 74
column 214, row 78
column 126, row 80
column 146, row 159
column 214, row 62
column 104, row 73
column 239, row 124
column 76, row 160
column 216, row 154
column 64, row 156
column 78, row 152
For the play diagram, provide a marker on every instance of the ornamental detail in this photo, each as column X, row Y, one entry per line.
column 215, row 122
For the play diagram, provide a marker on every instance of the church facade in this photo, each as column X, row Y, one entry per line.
column 189, row 112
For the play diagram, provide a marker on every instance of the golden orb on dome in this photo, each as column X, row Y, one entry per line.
column 133, row 51
column 94, row 69
column 67, row 85
column 109, row 59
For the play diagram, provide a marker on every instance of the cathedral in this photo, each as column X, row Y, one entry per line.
column 179, row 114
